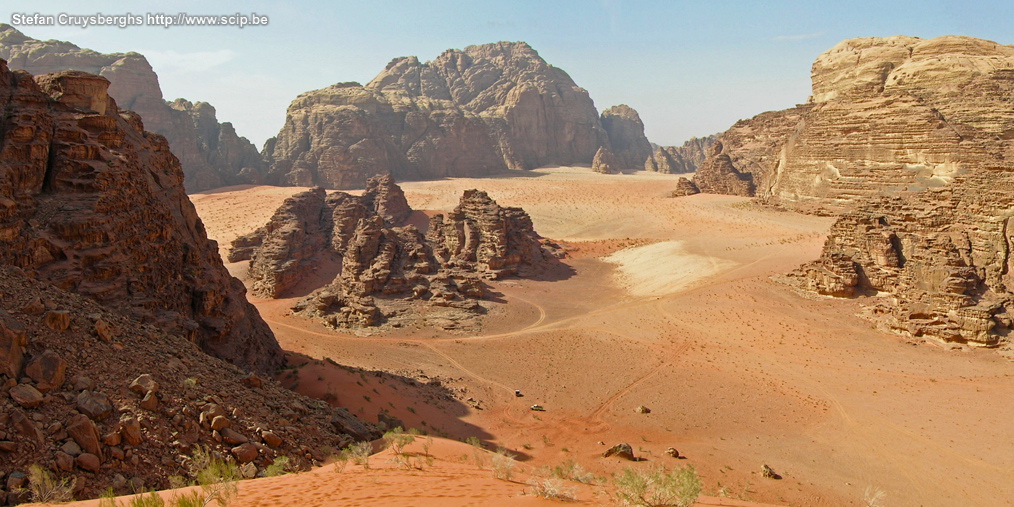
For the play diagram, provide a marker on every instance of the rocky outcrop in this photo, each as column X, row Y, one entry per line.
column 887, row 115
column 128, row 413
column 684, row 187
column 212, row 154
column 468, row 112
column 718, row 175
column 921, row 120
column 93, row 204
column 943, row 256
column 386, row 269
column 605, row 162
column 626, row 136
column 679, row 159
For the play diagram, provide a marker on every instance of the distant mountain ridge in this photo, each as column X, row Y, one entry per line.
column 212, row 154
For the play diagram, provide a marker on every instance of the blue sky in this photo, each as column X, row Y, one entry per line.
column 689, row 68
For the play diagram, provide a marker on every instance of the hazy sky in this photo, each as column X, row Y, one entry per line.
column 689, row 68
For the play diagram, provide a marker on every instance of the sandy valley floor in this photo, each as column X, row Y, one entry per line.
column 666, row 303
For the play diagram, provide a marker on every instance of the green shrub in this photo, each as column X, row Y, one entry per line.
column 48, row 489
column 658, row 486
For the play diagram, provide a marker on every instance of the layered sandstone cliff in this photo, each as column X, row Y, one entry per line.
column 211, row 153
column 385, row 268
column 911, row 138
column 468, row 112
column 887, row 115
column 93, row 204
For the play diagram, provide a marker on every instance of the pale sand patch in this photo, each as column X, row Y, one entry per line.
column 663, row 268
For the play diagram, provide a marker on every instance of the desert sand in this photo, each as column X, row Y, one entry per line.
column 666, row 303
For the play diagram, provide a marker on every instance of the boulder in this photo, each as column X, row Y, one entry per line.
column 621, row 450
column 26, row 396
column 49, row 371
column 605, row 162
column 94, row 404
column 85, row 433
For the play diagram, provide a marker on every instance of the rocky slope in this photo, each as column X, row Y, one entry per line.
column 212, row 154
column 93, row 395
column 626, row 136
column 93, row 204
column 387, row 270
column 110, row 295
column 679, row 159
column 468, row 112
column 887, row 115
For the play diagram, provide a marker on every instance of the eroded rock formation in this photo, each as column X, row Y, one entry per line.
column 927, row 122
column 93, row 204
column 887, row 115
column 626, row 136
column 211, row 153
column 684, row 187
column 471, row 112
column 384, row 268
column 679, row 159
column 943, row 256
column 605, row 162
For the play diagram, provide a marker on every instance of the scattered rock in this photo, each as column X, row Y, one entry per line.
column 641, row 409
column 8, row 446
column 94, row 404
column 89, row 462
column 150, row 401
column 48, row 371
column 58, row 320
column 622, row 450
column 248, row 470
column 271, row 439
column 245, row 453
column 64, row 461
column 220, row 422
column 130, row 429
column 768, row 473
column 26, row 396
column 103, row 331
column 13, row 341
column 672, row 452
column 231, row 437
column 85, row 433
column 25, row 426
column 252, row 381
column 144, row 384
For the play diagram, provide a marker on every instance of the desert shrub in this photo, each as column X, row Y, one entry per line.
column 45, row 488
column 658, row 486
column 279, row 467
column 503, row 464
column 553, row 489
column 478, row 453
column 397, row 440
column 359, row 454
column 151, row 499
column 216, row 477
column 572, row 471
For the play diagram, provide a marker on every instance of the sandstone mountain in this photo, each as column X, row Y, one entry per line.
column 887, row 115
column 471, row 112
column 93, row 204
column 626, row 136
column 911, row 139
column 212, row 154
column 680, row 159
column 384, row 269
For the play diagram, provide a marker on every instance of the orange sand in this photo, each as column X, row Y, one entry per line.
column 738, row 370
